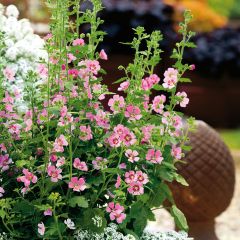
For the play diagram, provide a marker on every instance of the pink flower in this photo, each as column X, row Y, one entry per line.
column 136, row 188
column 99, row 163
column 42, row 70
column 133, row 113
column 63, row 111
column 132, row 155
column 171, row 77
column 146, row 99
column 53, row 157
column 130, row 177
column 184, row 99
column 124, row 86
column 119, row 129
column 59, row 144
column 3, row 147
column 41, row 228
column 128, row 138
column 177, row 122
column 122, row 166
column 54, row 173
column 118, row 183
column 102, row 119
column 28, row 178
column 176, row 152
column 116, row 212
column 114, row 140
column 5, row 161
column 121, row 135
column 73, row 72
column 8, row 98
column 60, row 162
column 103, row 55
column 80, row 165
column 71, row 57
column 147, row 133
column 158, row 103
column 85, row 133
column 58, row 98
column 116, row 103
column 54, row 60
column 78, row 42
column 48, row 36
column 154, row 79
column 154, row 156
column 29, row 124
column 141, row 177
column 1, row 192
column 14, row 129
column 48, row 212
column 146, row 85
column 77, row 184
column 66, row 120
column 93, row 66
column 192, row 67
column 9, row 74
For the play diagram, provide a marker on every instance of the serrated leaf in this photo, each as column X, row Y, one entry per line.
column 79, row 201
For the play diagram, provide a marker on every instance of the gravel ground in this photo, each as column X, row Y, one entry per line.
column 228, row 223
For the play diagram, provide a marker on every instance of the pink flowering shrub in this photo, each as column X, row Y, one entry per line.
column 67, row 160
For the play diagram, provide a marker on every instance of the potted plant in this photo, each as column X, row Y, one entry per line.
column 70, row 169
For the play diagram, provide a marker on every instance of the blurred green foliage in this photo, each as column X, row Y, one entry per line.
column 223, row 7
column 235, row 13
column 231, row 138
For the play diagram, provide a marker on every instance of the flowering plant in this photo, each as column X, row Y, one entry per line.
column 67, row 163
column 21, row 50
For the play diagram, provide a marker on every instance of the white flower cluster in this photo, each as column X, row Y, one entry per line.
column 111, row 233
column 20, row 53
column 3, row 235
column 172, row 235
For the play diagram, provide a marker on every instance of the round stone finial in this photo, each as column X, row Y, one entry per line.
column 210, row 172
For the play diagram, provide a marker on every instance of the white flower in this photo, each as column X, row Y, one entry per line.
column 12, row 53
column 9, row 42
column 41, row 228
column 26, row 26
column 70, row 224
column 1, row 9
column 12, row 11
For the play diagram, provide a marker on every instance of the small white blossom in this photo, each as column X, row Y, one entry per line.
column 97, row 220
column 70, row 224
column 12, row 11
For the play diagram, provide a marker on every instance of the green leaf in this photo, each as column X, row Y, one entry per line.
column 179, row 218
column 22, row 163
column 79, row 201
column 181, row 180
column 158, row 87
column 143, row 198
column 25, row 208
column 185, row 80
column 120, row 80
column 139, row 225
